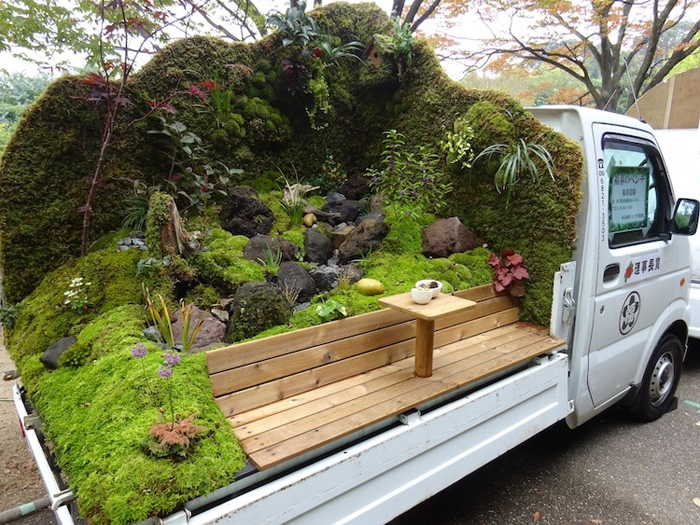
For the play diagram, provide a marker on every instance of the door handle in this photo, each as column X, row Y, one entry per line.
column 611, row 271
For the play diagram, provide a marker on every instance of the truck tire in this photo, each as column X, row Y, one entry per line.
column 656, row 393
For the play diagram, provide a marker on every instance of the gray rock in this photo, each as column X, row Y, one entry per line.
column 152, row 334
column 334, row 196
column 348, row 210
column 221, row 315
column 325, row 278
column 294, row 280
column 317, row 247
column 54, row 352
column 445, row 237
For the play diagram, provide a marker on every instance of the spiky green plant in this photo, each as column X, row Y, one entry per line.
column 518, row 159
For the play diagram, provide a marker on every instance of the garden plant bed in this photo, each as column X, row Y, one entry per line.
column 293, row 393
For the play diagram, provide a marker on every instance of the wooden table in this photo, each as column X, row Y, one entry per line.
column 426, row 314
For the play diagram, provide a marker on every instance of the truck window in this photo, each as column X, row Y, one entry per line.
column 637, row 191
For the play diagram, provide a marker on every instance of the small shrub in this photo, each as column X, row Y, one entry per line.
column 509, row 272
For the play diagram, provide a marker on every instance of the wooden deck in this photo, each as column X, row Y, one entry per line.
column 287, row 428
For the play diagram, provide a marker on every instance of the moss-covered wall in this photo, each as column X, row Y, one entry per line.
column 268, row 129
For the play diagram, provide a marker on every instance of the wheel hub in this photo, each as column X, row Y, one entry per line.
column 661, row 379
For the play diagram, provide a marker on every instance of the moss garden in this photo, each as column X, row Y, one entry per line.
column 260, row 140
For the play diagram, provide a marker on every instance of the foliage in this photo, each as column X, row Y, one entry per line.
column 76, row 295
column 331, row 309
column 410, row 178
column 617, row 50
column 517, row 160
column 8, row 315
column 188, row 176
column 457, row 145
column 400, row 44
column 509, row 272
column 164, row 324
column 174, row 440
column 330, row 176
column 148, row 265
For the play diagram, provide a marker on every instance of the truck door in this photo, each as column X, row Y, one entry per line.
column 636, row 276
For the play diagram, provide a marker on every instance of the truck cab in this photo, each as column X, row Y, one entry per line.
column 632, row 263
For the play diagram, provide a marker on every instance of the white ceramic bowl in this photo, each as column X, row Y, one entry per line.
column 421, row 296
column 436, row 290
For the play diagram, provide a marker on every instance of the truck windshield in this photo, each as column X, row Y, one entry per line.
column 636, row 203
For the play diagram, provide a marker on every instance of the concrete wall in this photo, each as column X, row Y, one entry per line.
column 673, row 104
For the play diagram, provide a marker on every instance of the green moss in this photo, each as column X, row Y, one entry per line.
column 405, row 231
column 113, row 331
column 203, row 296
column 98, row 416
column 158, row 216
column 44, row 318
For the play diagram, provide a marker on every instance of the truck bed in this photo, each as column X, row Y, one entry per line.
column 279, row 431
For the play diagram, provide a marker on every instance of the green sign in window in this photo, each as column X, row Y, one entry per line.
column 629, row 197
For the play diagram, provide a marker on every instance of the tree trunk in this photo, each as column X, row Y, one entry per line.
column 173, row 237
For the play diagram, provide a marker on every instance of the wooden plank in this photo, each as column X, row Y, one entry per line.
column 482, row 308
column 425, row 332
column 283, row 450
column 440, row 306
column 274, row 391
column 287, row 411
column 232, row 403
column 282, row 366
column 442, row 377
column 274, row 346
column 252, row 351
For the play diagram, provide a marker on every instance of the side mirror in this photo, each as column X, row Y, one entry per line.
column 685, row 217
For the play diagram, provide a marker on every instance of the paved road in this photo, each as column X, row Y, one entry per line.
column 612, row 470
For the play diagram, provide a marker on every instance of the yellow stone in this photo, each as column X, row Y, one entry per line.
column 369, row 287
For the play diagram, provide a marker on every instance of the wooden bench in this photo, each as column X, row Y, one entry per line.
column 289, row 394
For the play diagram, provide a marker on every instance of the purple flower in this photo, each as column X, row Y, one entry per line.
column 171, row 359
column 138, row 350
column 165, row 372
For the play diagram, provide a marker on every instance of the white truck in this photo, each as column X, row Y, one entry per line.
column 621, row 306
column 681, row 151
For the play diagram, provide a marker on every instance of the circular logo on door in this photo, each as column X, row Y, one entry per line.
column 629, row 313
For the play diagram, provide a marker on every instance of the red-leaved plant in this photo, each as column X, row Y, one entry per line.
column 173, row 439
column 509, row 272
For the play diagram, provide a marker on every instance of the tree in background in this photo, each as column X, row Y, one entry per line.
column 606, row 45
column 17, row 91
column 38, row 30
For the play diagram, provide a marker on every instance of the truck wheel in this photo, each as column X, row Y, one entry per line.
column 660, row 379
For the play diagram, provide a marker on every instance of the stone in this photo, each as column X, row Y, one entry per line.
column 309, row 220
column 352, row 273
column 261, row 247
column 255, row 308
column 317, row 247
column 340, row 234
column 221, row 315
column 244, row 214
column 356, row 186
column 212, row 330
column 54, row 352
column 325, row 278
column 334, row 196
column 348, row 210
column 366, row 238
column 369, row 287
column 445, row 237
column 295, row 282
column 152, row 334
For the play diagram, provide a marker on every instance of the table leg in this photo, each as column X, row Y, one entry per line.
column 425, row 331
